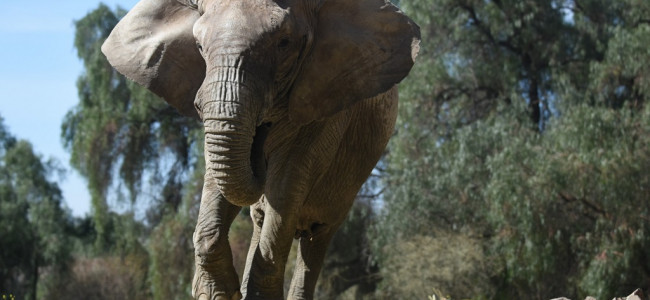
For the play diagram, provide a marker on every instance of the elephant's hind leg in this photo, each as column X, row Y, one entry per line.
column 268, row 255
column 309, row 263
column 215, row 276
column 257, row 216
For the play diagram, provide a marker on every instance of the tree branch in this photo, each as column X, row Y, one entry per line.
column 486, row 31
column 593, row 206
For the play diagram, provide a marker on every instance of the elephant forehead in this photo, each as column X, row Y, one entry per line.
column 243, row 21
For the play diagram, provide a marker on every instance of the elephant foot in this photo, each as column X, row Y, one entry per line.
column 205, row 287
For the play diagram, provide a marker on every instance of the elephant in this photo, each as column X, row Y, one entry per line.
column 298, row 99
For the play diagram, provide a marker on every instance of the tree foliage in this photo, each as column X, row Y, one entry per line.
column 130, row 145
column 120, row 135
column 524, row 125
column 34, row 241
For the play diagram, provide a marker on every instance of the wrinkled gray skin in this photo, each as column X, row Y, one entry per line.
column 298, row 99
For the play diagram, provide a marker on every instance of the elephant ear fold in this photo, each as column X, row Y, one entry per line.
column 154, row 46
column 361, row 49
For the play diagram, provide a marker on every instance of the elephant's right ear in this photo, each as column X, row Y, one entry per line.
column 154, row 46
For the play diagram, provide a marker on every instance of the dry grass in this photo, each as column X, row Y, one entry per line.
column 455, row 264
column 106, row 278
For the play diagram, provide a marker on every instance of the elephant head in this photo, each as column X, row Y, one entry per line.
column 240, row 65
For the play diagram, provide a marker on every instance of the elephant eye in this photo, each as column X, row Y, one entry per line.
column 198, row 46
column 190, row 3
column 283, row 43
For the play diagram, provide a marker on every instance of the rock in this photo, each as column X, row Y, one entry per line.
column 637, row 295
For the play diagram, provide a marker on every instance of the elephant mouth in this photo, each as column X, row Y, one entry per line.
column 258, row 160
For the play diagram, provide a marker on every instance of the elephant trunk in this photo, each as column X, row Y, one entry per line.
column 233, row 143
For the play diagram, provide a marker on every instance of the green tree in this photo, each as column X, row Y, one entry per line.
column 143, row 162
column 34, row 242
column 523, row 126
column 120, row 135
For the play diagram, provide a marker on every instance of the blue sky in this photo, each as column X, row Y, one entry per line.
column 38, row 72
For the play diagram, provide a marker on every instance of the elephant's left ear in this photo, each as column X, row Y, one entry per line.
column 153, row 45
column 361, row 48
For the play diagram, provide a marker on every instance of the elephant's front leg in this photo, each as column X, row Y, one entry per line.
column 214, row 277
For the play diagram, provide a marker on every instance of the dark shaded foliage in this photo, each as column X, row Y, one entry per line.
column 34, row 242
column 524, row 126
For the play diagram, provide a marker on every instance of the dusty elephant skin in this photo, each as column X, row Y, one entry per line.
column 298, row 99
